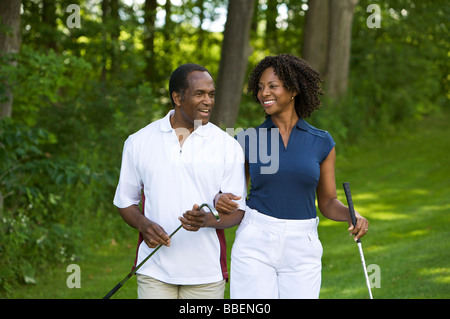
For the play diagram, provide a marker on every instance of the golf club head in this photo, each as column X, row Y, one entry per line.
column 211, row 209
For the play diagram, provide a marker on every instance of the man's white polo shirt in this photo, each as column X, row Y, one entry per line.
column 175, row 178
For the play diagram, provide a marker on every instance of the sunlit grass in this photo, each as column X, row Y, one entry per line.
column 402, row 187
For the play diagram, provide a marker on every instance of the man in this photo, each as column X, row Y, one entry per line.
column 180, row 162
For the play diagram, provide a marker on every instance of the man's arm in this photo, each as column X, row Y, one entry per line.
column 152, row 232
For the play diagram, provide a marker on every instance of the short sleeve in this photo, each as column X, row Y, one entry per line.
column 327, row 146
column 128, row 191
column 233, row 180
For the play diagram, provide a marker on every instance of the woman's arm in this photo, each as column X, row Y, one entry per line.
column 223, row 202
column 327, row 200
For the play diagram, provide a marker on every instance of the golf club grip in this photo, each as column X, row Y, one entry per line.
column 113, row 291
column 351, row 208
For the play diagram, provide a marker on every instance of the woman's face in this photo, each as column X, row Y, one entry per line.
column 272, row 94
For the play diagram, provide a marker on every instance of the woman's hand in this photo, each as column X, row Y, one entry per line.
column 361, row 227
column 224, row 203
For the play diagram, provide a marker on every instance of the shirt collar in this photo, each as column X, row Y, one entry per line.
column 301, row 124
column 167, row 127
column 165, row 122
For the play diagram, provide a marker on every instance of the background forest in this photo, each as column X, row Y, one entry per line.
column 75, row 81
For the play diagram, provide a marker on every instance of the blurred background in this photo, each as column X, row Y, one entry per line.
column 78, row 76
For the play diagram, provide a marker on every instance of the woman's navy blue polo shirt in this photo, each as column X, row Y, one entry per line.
column 284, row 186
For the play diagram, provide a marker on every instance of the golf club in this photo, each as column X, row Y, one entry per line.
column 353, row 217
column 120, row 284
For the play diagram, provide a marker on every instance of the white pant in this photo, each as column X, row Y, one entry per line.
column 275, row 258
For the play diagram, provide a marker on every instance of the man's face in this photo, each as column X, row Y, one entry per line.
column 198, row 100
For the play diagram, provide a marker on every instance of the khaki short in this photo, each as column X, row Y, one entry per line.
column 151, row 288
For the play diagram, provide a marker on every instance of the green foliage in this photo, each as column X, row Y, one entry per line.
column 44, row 80
column 400, row 69
column 33, row 229
column 60, row 158
column 399, row 72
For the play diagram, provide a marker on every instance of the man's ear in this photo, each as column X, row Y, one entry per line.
column 176, row 98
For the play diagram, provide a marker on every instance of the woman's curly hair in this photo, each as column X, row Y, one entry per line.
column 296, row 75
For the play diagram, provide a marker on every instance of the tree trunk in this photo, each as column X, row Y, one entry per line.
column 271, row 25
column 111, row 33
column 149, row 38
column 327, row 41
column 201, row 33
column 339, row 45
column 9, row 44
column 49, row 20
column 105, row 8
column 114, row 21
column 233, row 62
column 315, row 39
column 168, row 26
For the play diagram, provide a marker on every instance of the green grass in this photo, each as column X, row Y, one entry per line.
column 400, row 184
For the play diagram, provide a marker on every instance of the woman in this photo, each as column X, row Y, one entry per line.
column 277, row 252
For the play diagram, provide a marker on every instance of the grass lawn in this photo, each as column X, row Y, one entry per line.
column 400, row 184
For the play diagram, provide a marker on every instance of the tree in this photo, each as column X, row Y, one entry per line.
column 315, row 40
column 233, row 62
column 341, row 18
column 327, row 41
column 271, row 24
column 9, row 44
column 110, row 34
column 150, row 7
column 49, row 23
column 168, row 26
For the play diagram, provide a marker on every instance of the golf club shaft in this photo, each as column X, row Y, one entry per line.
column 120, row 284
column 351, row 209
column 363, row 262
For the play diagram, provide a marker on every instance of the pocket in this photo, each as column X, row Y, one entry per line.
column 316, row 245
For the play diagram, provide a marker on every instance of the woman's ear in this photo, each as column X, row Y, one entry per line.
column 294, row 94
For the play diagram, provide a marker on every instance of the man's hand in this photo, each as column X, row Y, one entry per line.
column 154, row 234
